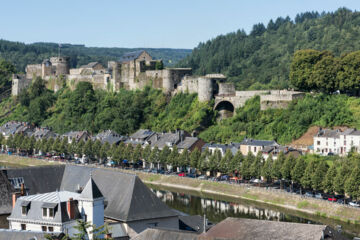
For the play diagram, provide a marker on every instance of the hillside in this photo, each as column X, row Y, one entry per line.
column 261, row 59
column 126, row 111
column 21, row 54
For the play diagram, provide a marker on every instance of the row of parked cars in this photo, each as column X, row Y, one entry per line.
column 341, row 199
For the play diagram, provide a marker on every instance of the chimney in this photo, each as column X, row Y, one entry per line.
column 71, row 208
column 15, row 196
column 22, row 190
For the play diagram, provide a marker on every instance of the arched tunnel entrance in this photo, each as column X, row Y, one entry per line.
column 225, row 108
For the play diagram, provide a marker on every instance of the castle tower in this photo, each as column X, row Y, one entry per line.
column 61, row 65
column 205, row 89
column 46, row 68
column 91, row 204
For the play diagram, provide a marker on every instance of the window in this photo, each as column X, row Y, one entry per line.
column 254, row 149
column 318, row 142
column 43, row 228
column 51, row 212
column 327, row 144
column 23, row 210
column 23, row 226
column 44, row 210
column 51, row 229
column 344, row 142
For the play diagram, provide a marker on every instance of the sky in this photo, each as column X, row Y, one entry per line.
column 145, row 23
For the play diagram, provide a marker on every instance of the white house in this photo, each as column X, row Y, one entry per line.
column 57, row 212
column 327, row 141
column 349, row 139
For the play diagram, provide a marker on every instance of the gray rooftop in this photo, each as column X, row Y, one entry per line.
column 21, row 235
column 141, row 134
column 254, row 142
column 51, row 197
column 329, row 133
column 6, row 190
column 165, row 234
column 187, row 143
column 241, row 228
column 109, row 136
column 91, row 190
column 167, row 139
column 128, row 198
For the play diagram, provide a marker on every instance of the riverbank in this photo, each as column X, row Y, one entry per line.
column 275, row 197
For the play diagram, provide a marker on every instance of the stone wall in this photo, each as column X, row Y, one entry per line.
column 226, row 89
column 19, row 82
column 188, row 84
column 33, row 70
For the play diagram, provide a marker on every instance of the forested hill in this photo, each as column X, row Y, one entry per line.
column 21, row 54
column 261, row 59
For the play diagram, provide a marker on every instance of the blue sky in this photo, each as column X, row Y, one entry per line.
column 144, row 23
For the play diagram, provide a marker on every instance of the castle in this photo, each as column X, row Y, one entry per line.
column 137, row 69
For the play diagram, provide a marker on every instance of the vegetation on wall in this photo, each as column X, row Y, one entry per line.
column 261, row 59
column 284, row 125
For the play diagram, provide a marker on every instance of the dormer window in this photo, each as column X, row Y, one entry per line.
column 48, row 210
column 24, row 207
column 51, row 212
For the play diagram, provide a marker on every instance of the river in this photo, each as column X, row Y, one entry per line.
column 217, row 208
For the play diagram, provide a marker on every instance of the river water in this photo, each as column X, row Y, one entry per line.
column 217, row 208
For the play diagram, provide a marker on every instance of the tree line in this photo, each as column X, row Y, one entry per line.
column 261, row 59
column 339, row 176
column 322, row 71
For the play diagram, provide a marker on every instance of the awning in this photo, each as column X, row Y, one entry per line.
column 49, row 205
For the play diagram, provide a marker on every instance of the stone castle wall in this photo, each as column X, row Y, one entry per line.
column 19, row 83
column 33, row 70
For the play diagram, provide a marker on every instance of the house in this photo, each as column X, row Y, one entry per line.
column 241, row 228
column 10, row 128
column 254, row 146
column 139, row 137
column 77, row 136
column 130, row 206
column 41, row 133
column 234, row 148
column 349, row 139
column 169, row 139
column 110, row 137
column 275, row 150
column 190, row 143
column 57, row 212
column 327, row 141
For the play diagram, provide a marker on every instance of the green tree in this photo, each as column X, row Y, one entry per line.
column 298, row 171
column 103, row 154
column 195, row 158
column 306, row 180
column 6, row 69
column 88, row 149
column 351, row 186
column 278, row 163
column 256, row 165
column 319, row 175
column 287, row 167
column 236, row 161
column 328, row 181
column 96, row 148
column 266, row 171
column 225, row 161
column 245, row 166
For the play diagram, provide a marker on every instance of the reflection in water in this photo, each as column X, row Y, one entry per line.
column 217, row 211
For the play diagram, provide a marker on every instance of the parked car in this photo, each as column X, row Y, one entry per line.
column 340, row 201
column 309, row 194
column 332, row 199
column 182, row 174
column 354, row 204
column 202, row 177
column 319, row 196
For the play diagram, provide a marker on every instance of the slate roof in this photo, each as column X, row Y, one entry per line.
column 234, row 147
column 167, row 139
column 141, row 134
column 129, row 199
column 329, row 133
column 109, row 136
column 187, row 143
column 351, row 131
column 35, row 203
column 6, row 190
column 10, row 128
column 77, row 135
column 165, row 234
column 195, row 222
column 130, row 56
column 254, row 142
column 91, row 191
column 241, row 228
column 21, row 235
column 43, row 132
